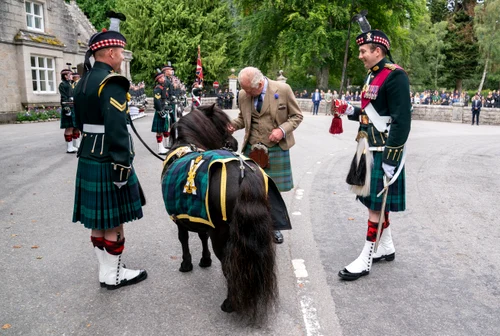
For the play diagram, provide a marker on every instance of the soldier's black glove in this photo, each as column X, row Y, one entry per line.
column 120, row 174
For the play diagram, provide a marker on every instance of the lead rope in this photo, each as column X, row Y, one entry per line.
column 144, row 143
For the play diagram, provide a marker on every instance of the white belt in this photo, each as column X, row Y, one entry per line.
column 376, row 149
column 92, row 128
column 380, row 122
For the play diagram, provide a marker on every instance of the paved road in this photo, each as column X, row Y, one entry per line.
column 444, row 280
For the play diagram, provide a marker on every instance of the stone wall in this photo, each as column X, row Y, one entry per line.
column 457, row 114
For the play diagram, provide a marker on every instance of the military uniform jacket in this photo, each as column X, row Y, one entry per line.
column 160, row 96
column 391, row 99
column 66, row 92
column 101, row 98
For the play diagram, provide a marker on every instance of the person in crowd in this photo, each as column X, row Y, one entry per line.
column 476, row 109
column 316, row 99
column 328, row 102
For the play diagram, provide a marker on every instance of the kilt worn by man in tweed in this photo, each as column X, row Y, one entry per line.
column 107, row 191
column 269, row 113
column 384, row 125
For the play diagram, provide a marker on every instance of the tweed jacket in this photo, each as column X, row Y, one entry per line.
column 280, row 102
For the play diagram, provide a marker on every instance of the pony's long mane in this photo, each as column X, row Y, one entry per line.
column 205, row 127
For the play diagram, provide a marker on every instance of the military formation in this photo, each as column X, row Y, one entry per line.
column 225, row 99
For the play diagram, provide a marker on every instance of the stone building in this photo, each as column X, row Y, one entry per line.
column 37, row 40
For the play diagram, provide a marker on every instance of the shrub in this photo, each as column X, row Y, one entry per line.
column 39, row 114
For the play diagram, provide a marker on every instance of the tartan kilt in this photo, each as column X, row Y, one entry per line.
column 280, row 167
column 396, row 197
column 67, row 121
column 99, row 204
column 160, row 124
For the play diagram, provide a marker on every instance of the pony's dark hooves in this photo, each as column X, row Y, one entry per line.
column 186, row 267
column 205, row 262
column 226, row 306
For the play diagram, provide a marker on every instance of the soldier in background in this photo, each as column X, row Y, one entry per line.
column 67, row 112
column 160, row 119
column 220, row 99
column 231, row 97
column 107, row 190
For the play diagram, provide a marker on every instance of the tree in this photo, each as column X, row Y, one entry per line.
column 487, row 29
column 426, row 62
column 462, row 52
column 158, row 31
column 311, row 34
column 96, row 11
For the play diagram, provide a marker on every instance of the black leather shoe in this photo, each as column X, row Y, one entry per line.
column 278, row 237
column 389, row 257
column 348, row 276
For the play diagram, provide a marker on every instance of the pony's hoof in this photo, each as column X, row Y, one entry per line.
column 226, row 306
column 205, row 262
column 186, row 267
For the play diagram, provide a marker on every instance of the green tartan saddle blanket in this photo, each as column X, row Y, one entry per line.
column 185, row 186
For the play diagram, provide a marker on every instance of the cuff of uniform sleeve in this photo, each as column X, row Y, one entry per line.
column 392, row 155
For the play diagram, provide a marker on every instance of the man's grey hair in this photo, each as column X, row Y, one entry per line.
column 253, row 74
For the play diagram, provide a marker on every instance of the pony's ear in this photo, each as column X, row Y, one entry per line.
column 207, row 110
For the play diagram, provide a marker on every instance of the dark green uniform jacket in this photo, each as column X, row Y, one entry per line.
column 101, row 98
column 392, row 99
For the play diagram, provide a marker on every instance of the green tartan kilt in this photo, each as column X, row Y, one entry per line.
column 160, row 124
column 67, row 121
column 280, row 167
column 396, row 197
column 99, row 204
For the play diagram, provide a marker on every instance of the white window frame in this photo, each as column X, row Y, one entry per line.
column 42, row 70
column 31, row 16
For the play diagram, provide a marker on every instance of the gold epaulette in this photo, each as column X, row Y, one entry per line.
column 122, row 79
column 390, row 66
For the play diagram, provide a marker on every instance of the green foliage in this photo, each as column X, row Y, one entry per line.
column 168, row 30
column 309, row 36
column 427, row 59
column 487, row 29
column 96, row 11
column 462, row 52
column 437, row 10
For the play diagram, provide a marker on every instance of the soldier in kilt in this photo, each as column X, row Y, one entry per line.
column 385, row 120
column 68, row 122
column 107, row 191
column 160, row 120
column 168, row 71
column 269, row 113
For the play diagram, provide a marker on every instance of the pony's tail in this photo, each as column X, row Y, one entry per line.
column 250, row 255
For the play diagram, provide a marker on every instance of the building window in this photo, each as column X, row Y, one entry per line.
column 43, row 74
column 34, row 16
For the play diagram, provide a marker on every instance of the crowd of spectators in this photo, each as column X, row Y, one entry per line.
column 426, row 97
column 429, row 97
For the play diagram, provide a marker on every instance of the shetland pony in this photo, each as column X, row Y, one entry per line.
column 243, row 240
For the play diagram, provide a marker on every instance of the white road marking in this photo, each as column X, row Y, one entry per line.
column 309, row 312
column 299, row 194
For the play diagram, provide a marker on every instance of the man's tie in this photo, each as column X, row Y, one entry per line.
column 259, row 103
